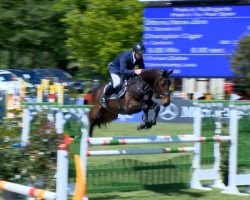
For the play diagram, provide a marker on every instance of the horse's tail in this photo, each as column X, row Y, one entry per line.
column 87, row 97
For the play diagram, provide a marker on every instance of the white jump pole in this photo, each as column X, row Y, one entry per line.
column 26, row 126
column 196, row 176
column 212, row 173
column 62, row 163
column 217, row 154
column 84, row 144
column 140, row 151
column 153, row 139
column 233, row 178
column 28, row 191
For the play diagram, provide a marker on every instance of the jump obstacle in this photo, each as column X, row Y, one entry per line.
column 29, row 191
column 62, row 188
column 198, row 174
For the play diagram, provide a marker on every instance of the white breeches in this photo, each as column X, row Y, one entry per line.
column 116, row 80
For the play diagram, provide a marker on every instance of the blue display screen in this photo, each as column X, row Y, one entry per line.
column 194, row 41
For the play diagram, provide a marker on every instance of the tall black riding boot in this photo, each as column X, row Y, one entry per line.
column 108, row 92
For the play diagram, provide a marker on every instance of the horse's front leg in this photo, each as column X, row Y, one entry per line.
column 156, row 108
column 144, row 123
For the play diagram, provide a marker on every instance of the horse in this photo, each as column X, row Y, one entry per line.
column 138, row 96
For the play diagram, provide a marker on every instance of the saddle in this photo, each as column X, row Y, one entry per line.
column 120, row 91
column 141, row 87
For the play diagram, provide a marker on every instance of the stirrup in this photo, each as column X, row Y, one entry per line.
column 104, row 102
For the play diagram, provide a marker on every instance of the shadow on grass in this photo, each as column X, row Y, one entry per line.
column 175, row 191
column 145, row 194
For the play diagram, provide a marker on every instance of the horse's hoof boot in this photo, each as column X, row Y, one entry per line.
column 141, row 126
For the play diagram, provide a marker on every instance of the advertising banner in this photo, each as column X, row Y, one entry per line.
column 179, row 111
column 182, row 111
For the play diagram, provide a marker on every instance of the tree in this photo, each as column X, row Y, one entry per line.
column 240, row 64
column 31, row 35
column 99, row 30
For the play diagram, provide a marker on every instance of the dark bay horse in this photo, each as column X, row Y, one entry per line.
column 138, row 97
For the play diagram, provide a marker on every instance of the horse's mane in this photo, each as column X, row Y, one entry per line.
column 150, row 70
column 149, row 75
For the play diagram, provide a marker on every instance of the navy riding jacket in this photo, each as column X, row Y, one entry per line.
column 123, row 64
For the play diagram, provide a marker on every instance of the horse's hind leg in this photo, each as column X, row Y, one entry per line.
column 96, row 122
column 94, row 118
column 91, row 128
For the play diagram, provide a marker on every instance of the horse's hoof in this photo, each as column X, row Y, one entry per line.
column 140, row 126
column 153, row 123
column 148, row 125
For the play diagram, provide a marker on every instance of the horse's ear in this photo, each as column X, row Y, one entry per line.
column 167, row 72
column 170, row 72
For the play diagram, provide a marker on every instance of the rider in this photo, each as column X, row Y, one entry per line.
column 123, row 67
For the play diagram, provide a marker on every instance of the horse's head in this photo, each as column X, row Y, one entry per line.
column 159, row 81
column 161, row 86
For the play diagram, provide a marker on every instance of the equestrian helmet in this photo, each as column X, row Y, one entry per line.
column 139, row 47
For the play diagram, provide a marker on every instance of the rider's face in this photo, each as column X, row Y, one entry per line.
column 138, row 55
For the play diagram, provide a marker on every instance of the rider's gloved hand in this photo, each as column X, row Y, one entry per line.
column 138, row 71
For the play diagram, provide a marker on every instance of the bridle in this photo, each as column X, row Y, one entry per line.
column 157, row 91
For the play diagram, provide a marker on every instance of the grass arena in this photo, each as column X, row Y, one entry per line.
column 161, row 175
